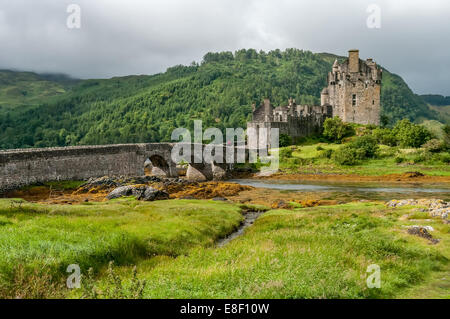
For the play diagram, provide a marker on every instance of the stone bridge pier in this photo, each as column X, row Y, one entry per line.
column 204, row 172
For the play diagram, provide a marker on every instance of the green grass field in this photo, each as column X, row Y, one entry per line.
column 307, row 159
column 38, row 240
column 320, row 252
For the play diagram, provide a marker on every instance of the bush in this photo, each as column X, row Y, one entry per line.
column 325, row 153
column 335, row 130
column 285, row 140
column 366, row 146
column 446, row 131
column 422, row 157
column 345, row 155
column 399, row 159
column 445, row 158
column 385, row 136
column 411, row 135
column 433, row 146
column 286, row 153
column 319, row 148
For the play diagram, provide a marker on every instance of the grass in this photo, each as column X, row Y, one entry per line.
column 308, row 159
column 317, row 252
column 45, row 239
column 320, row 252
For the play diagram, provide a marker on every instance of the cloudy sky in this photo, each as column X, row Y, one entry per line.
column 147, row 36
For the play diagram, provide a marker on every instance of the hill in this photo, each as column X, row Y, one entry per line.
column 28, row 88
column 440, row 104
column 219, row 91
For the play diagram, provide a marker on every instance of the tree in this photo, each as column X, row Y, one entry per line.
column 335, row 130
column 411, row 135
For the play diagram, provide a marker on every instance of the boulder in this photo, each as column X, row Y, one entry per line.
column 120, row 192
column 141, row 192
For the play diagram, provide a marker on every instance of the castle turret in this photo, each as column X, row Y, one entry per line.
column 353, row 61
column 268, row 110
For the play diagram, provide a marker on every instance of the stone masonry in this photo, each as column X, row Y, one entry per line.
column 29, row 166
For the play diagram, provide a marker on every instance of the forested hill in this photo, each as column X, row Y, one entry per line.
column 219, row 91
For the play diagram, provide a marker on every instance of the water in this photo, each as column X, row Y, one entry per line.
column 250, row 218
column 358, row 190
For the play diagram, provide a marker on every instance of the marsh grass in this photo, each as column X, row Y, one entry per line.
column 319, row 252
column 48, row 238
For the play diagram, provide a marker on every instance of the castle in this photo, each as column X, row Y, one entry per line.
column 353, row 93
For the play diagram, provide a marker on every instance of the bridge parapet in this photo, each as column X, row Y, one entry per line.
column 21, row 167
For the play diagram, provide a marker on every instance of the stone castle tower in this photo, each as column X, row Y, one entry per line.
column 354, row 90
column 353, row 93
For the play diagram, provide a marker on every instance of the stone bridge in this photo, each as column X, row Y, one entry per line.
column 28, row 166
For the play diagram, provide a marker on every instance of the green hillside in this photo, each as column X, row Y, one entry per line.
column 219, row 91
column 27, row 88
column 440, row 104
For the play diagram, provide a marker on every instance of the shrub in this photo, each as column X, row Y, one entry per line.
column 366, row 146
column 326, row 153
column 285, row 153
column 411, row 135
column 446, row 131
column 445, row 158
column 335, row 130
column 433, row 146
column 285, row 140
column 319, row 148
column 422, row 157
column 399, row 159
column 345, row 155
column 385, row 136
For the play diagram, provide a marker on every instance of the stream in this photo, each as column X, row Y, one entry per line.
column 250, row 218
column 355, row 190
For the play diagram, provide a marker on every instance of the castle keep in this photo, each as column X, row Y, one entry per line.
column 353, row 94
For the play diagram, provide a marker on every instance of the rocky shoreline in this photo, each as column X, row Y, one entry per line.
column 435, row 207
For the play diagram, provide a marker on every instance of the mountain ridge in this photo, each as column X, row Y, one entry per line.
column 219, row 91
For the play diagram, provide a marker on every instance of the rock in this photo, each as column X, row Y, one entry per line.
column 220, row 199
column 422, row 232
column 120, row 192
column 141, row 192
column 435, row 207
column 152, row 194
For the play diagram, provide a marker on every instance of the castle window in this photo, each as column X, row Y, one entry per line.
column 373, row 102
column 354, row 99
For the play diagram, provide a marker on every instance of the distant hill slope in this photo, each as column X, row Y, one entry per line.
column 436, row 99
column 219, row 91
column 28, row 88
column 440, row 104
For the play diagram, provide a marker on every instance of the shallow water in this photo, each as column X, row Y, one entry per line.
column 359, row 190
column 250, row 218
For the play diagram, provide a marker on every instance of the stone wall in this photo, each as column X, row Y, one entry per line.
column 28, row 166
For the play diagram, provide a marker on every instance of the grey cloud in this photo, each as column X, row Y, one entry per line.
column 145, row 37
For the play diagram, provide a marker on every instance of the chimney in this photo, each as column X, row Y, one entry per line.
column 353, row 61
